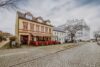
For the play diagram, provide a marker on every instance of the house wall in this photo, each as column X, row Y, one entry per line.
column 35, row 32
column 59, row 36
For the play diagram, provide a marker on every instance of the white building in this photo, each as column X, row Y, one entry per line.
column 83, row 34
column 59, row 35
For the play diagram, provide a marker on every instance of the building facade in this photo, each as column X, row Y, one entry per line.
column 30, row 28
column 83, row 35
column 59, row 35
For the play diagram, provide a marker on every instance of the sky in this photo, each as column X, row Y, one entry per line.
column 58, row 11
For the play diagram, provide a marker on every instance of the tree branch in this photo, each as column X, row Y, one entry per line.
column 11, row 3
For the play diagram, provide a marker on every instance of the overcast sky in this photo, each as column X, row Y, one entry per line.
column 58, row 11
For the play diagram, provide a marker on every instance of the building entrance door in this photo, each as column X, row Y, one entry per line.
column 24, row 39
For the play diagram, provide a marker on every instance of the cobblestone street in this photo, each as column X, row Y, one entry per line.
column 87, row 55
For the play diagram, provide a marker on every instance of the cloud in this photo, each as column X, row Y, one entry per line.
column 58, row 11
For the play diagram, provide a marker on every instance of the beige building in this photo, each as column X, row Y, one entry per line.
column 30, row 28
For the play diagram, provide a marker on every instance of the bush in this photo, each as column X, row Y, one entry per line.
column 13, row 38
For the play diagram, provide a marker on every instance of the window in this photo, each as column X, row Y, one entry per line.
column 49, row 30
column 40, row 20
column 46, row 29
column 31, row 27
column 42, row 28
column 29, row 16
column 37, row 28
column 25, row 25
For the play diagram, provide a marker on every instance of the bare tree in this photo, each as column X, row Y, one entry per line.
column 11, row 3
column 74, row 26
column 96, row 35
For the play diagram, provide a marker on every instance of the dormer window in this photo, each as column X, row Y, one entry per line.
column 29, row 17
column 40, row 19
column 48, row 22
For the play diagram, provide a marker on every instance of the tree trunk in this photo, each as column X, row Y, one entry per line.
column 72, row 37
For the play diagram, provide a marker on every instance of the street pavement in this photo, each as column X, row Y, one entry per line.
column 87, row 55
column 10, row 57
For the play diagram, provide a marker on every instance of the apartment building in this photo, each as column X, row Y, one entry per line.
column 30, row 28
